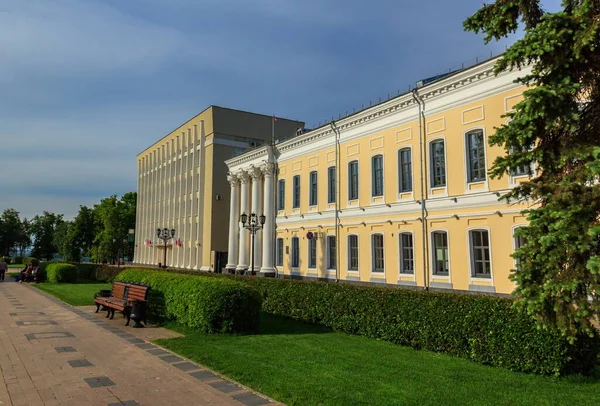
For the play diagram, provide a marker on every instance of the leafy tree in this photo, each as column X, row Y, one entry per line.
column 556, row 128
column 43, row 228
column 82, row 232
column 113, row 218
column 62, row 241
column 24, row 238
column 11, row 230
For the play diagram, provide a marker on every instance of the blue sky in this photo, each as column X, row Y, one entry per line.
column 85, row 85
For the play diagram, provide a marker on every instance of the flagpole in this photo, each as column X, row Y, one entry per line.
column 273, row 130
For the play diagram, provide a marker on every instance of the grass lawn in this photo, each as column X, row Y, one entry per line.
column 76, row 294
column 20, row 266
column 299, row 364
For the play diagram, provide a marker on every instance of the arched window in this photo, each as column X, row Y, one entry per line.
column 404, row 170
column 438, row 163
column 377, row 175
column 475, row 146
column 353, row 180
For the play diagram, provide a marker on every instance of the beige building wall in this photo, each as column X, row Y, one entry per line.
column 179, row 178
column 472, row 101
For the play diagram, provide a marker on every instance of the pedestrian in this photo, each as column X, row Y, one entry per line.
column 3, row 268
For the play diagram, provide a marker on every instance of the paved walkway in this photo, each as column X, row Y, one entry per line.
column 55, row 354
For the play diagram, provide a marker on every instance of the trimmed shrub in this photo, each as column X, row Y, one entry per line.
column 107, row 273
column 61, row 272
column 17, row 260
column 32, row 261
column 484, row 329
column 86, row 271
column 210, row 305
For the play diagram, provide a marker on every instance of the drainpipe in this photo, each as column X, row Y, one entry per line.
column 337, row 200
column 423, row 167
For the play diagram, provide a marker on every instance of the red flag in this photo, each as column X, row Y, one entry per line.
column 274, row 118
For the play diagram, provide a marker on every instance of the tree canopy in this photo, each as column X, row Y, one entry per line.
column 556, row 131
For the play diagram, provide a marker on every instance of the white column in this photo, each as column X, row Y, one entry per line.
column 244, row 208
column 201, row 150
column 268, row 233
column 234, row 228
column 256, row 255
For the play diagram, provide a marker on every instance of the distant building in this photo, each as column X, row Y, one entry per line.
column 404, row 198
column 182, row 185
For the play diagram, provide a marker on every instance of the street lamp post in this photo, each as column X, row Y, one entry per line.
column 114, row 245
column 165, row 235
column 252, row 224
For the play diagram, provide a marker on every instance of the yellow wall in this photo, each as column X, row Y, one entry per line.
column 403, row 212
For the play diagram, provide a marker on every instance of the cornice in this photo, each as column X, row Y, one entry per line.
column 248, row 156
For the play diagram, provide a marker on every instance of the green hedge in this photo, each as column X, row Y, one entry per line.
column 211, row 305
column 484, row 329
column 61, row 272
column 17, row 260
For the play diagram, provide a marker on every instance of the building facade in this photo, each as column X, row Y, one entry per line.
column 396, row 194
column 182, row 185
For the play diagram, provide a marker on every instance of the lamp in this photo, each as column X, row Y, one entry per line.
column 243, row 218
column 262, row 218
column 253, row 224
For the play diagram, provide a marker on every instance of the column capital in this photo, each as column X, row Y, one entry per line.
column 255, row 173
column 243, row 176
column 267, row 169
column 233, row 178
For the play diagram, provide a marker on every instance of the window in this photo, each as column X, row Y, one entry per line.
column 280, row 252
column 405, row 170
column 440, row 253
column 521, row 170
column 353, row 180
column 331, row 180
column 353, row 253
column 312, row 253
column 377, row 172
column 519, row 242
column 377, row 247
column 407, row 262
column 331, row 252
column 296, row 192
column 475, row 156
column 295, row 252
column 480, row 253
column 281, row 195
column 438, row 164
column 313, row 189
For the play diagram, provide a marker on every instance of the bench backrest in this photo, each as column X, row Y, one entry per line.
column 136, row 292
column 119, row 290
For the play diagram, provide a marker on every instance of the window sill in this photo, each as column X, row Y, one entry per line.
column 438, row 191
column 481, row 278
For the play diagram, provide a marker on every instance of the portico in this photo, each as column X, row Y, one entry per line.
column 251, row 181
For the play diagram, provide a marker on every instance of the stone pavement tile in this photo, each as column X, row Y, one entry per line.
column 170, row 358
column 204, row 375
column 145, row 346
column 225, row 386
column 250, row 399
column 98, row 381
column 186, row 366
column 157, row 351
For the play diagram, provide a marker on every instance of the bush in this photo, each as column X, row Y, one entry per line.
column 210, row 305
column 17, row 260
column 61, row 272
column 484, row 329
column 107, row 273
column 33, row 261
column 87, row 271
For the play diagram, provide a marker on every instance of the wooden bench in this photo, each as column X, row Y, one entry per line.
column 121, row 299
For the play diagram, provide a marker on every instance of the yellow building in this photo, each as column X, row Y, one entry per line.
column 408, row 177
column 182, row 185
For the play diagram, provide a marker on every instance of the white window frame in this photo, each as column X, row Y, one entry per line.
column 432, row 275
column 382, row 195
column 467, row 183
column 308, row 243
column 514, row 240
column 357, row 270
column 398, row 170
column 310, row 189
column 292, row 266
column 328, row 248
column 472, row 277
column 279, row 251
column 372, row 238
column 401, row 251
column 357, row 200
column 430, row 169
